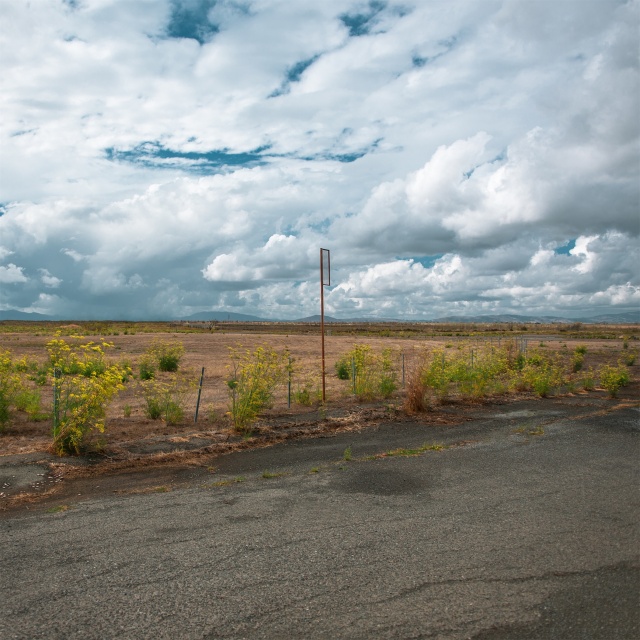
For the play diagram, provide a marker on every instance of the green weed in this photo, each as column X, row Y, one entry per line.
column 167, row 399
column 373, row 375
column 612, row 378
column 167, row 354
column 254, row 377
column 268, row 475
column 80, row 398
column 60, row 508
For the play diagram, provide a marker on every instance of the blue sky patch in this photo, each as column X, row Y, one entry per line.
column 153, row 154
column 190, row 19
column 426, row 261
column 566, row 248
column 294, row 74
column 344, row 157
column 499, row 158
column 360, row 23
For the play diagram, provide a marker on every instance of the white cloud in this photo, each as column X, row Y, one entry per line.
column 444, row 153
column 11, row 274
column 49, row 280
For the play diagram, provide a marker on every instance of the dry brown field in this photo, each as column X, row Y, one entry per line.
column 207, row 345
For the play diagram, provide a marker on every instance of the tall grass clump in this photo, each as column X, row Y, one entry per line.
column 253, row 379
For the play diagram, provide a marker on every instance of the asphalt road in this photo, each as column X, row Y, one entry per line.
column 526, row 528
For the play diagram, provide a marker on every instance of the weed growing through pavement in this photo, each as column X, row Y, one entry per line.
column 346, row 456
column 268, row 475
column 226, row 483
column 412, row 452
column 529, row 431
column 60, row 508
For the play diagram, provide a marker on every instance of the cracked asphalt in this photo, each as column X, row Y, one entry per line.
column 524, row 525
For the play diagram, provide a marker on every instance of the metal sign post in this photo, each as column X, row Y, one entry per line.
column 325, row 281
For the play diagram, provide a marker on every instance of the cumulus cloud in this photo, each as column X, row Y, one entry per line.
column 49, row 280
column 11, row 274
column 176, row 156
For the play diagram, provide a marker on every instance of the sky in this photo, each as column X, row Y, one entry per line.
column 160, row 158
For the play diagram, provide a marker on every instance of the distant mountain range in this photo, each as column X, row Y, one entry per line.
column 221, row 316
column 610, row 318
column 12, row 314
column 629, row 317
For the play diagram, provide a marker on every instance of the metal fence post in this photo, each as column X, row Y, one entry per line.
column 57, row 374
column 353, row 373
column 195, row 419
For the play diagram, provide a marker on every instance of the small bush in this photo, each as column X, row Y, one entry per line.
column 307, row 395
column 28, row 400
column 375, row 376
column 147, row 368
column 612, row 378
column 167, row 399
column 577, row 362
column 15, row 391
column 166, row 354
column 81, row 396
column 254, row 377
column 543, row 374
column 589, row 380
column 9, row 387
column 343, row 368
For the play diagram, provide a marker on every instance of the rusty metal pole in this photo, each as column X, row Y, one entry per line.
column 325, row 281
column 322, row 320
